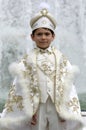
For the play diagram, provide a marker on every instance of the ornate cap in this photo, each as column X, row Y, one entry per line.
column 43, row 19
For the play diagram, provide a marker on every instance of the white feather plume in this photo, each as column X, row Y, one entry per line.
column 44, row 5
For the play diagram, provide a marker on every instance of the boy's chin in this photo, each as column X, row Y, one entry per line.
column 43, row 47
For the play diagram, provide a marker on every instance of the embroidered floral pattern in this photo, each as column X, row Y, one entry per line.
column 13, row 99
column 74, row 104
column 61, row 73
column 31, row 73
column 47, row 66
column 60, row 90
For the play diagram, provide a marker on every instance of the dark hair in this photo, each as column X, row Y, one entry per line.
column 43, row 28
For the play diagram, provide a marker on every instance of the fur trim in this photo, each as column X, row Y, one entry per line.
column 9, row 123
column 17, row 69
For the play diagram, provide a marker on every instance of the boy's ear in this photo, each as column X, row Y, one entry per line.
column 53, row 36
column 32, row 37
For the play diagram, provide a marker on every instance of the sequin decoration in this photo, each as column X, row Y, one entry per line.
column 13, row 99
column 74, row 104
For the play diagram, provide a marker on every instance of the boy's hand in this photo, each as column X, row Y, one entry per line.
column 62, row 120
column 34, row 119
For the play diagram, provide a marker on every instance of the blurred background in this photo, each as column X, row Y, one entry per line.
column 15, row 38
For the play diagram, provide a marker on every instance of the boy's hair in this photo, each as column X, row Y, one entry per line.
column 33, row 32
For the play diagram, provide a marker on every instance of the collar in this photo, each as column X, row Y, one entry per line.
column 49, row 50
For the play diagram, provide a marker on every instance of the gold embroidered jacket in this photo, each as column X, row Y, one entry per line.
column 24, row 95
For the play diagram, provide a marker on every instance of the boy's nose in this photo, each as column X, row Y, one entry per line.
column 43, row 36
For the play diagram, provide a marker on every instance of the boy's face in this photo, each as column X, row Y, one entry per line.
column 43, row 38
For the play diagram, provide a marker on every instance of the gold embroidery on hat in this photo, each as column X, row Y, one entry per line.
column 44, row 12
column 44, row 21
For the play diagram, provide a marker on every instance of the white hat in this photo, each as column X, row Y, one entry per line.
column 43, row 19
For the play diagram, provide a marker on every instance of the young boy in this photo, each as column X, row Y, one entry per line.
column 43, row 95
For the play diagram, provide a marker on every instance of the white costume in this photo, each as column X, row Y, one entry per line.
column 43, row 77
column 43, row 85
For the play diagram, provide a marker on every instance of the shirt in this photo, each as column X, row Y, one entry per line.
column 46, row 73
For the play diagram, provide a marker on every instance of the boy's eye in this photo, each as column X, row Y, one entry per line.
column 40, row 34
column 47, row 34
